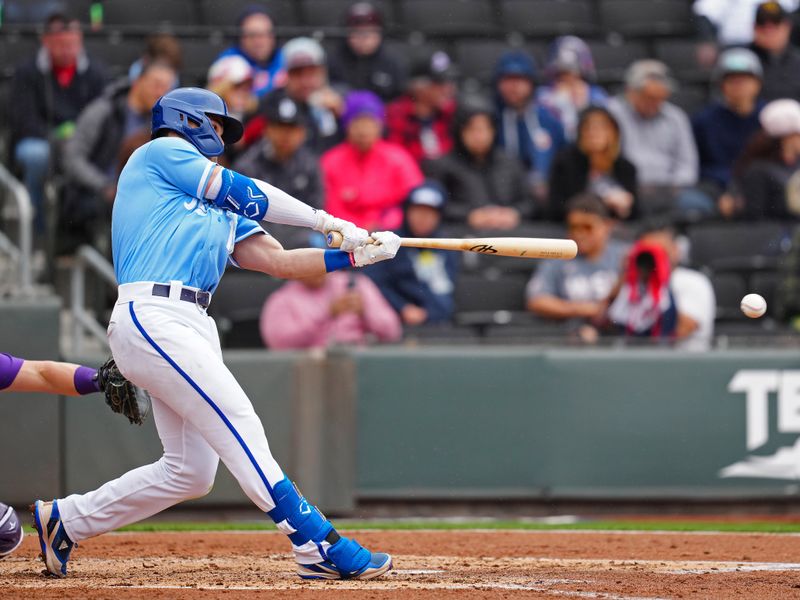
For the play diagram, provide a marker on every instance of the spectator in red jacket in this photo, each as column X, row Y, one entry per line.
column 422, row 120
column 367, row 178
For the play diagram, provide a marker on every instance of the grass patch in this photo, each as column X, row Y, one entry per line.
column 744, row 527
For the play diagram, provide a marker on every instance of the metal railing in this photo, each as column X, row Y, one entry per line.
column 19, row 253
column 83, row 320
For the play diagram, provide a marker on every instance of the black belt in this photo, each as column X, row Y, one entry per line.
column 199, row 297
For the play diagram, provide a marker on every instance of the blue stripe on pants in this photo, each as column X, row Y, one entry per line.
column 205, row 397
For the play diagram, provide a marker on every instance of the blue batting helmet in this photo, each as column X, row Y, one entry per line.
column 10, row 530
column 187, row 111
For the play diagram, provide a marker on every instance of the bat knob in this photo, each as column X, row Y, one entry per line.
column 335, row 239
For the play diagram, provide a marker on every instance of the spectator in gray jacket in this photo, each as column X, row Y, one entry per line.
column 93, row 155
column 657, row 138
column 487, row 189
column 282, row 158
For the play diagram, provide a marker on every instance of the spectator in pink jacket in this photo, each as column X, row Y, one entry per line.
column 341, row 307
column 367, row 178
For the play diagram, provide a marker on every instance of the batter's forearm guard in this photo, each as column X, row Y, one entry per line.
column 241, row 195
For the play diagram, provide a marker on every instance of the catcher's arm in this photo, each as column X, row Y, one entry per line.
column 121, row 395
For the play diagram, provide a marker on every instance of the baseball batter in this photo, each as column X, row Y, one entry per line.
column 178, row 219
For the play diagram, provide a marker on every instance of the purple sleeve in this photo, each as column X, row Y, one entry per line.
column 9, row 367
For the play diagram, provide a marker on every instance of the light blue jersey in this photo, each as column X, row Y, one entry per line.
column 161, row 229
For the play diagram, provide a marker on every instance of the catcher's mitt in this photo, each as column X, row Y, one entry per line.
column 121, row 395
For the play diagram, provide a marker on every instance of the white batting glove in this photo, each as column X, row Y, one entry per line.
column 384, row 247
column 353, row 236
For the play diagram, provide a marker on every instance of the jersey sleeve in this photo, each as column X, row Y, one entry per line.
column 245, row 228
column 9, row 368
column 179, row 164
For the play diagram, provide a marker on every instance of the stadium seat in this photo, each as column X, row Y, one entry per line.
column 765, row 283
column 15, row 49
column 198, row 55
column 118, row 53
column 525, row 333
column 476, row 59
column 681, row 57
column 225, row 12
column 548, row 17
column 729, row 289
column 28, row 12
column 444, row 333
column 330, row 14
column 148, row 14
column 611, row 60
column 691, row 98
column 236, row 306
column 737, row 246
column 651, row 17
column 448, row 17
column 476, row 292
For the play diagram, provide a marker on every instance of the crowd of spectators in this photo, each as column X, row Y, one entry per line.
column 394, row 144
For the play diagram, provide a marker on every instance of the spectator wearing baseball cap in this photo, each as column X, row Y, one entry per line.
column 282, row 158
column 487, row 189
column 730, row 22
column 768, row 173
column 525, row 129
column 657, row 138
column 421, row 120
column 362, row 61
column 258, row 47
column 419, row 283
column 723, row 128
column 571, row 88
column 366, row 178
column 307, row 86
column 779, row 59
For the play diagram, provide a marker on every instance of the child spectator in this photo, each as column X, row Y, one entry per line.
column 487, row 189
column 367, row 178
column 594, row 164
column 419, row 283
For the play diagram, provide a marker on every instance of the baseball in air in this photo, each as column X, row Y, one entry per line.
column 753, row 305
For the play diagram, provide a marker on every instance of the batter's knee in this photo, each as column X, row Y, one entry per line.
column 192, row 480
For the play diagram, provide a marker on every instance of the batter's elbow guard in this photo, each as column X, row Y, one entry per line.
column 241, row 195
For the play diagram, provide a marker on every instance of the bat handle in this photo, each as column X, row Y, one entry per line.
column 335, row 239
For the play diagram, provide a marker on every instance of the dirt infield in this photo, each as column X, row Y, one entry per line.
column 428, row 564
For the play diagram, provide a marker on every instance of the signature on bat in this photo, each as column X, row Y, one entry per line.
column 484, row 249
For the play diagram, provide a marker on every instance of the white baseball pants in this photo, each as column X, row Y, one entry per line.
column 171, row 348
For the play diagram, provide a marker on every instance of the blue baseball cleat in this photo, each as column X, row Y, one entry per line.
column 53, row 540
column 347, row 559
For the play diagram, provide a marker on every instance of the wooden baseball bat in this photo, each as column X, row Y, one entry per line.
column 497, row 246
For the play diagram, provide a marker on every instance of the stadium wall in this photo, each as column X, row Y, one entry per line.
column 463, row 423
